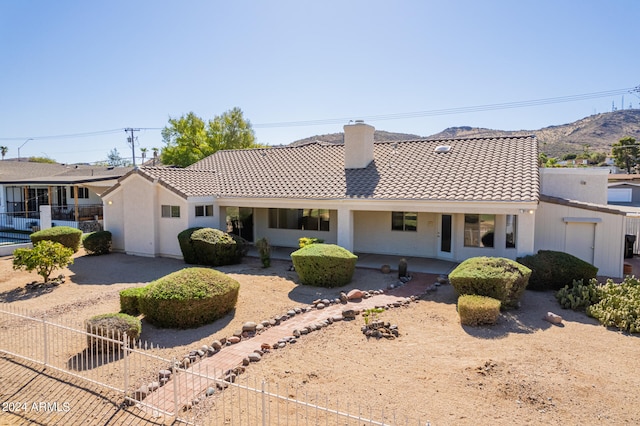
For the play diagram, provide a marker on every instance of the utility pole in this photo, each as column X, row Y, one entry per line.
column 132, row 141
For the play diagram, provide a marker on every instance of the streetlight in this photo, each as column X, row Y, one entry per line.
column 30, row 139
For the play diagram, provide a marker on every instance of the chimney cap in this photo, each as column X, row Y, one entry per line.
column 359, row 121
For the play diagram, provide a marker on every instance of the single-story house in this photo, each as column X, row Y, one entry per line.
column 71, row 191
column 449, row 199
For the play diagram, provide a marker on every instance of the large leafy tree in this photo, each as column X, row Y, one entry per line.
column 626, row 152
column 189, row 139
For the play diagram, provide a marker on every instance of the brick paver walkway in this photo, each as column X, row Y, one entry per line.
column 231, row 356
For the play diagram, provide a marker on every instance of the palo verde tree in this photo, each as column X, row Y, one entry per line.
column 625, row 153
column 189, row 139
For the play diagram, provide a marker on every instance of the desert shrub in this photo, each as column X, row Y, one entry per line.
column 497, row 277
column 324, row 265
column 96, row 243
column 189, row 298
column 478, row 310
column 264, row 248
column 188, row 252
column 65, row 235
column 129, row 300
column 112, row 326
column 45, row 257
column 619, row 305
column 579, row 296
column 552, row 270
column 209, row 246
column 305, row 241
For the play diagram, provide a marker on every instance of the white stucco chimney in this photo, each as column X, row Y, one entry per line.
column 358, row 145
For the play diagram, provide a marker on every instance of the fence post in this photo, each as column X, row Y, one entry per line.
column 264, row 408
column 175, row 370
column 125, row 359
column 46, row 342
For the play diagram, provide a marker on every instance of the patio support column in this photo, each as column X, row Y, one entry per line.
column 345, row 228
column 526, row 233
column 26, row 200
column 75, row 202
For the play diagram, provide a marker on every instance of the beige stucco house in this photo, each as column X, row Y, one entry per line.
column 447, row 199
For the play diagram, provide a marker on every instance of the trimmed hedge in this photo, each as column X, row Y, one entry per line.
column 112, row 326
column 65, row 235
column 189, row 298
column 129, row 298
column 552, row 270
column 188, row 252
column 212, row 247
column 324, row 265
column 496, row 277
column 97, row 243
column 478, row 310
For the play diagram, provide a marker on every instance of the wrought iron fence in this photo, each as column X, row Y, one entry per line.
column 159, row 386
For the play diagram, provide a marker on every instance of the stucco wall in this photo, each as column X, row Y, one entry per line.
column 373, row 234
column 588, row 185
column 608, row 251
column 170, row 227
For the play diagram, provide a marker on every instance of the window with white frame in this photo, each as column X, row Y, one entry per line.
column 479, row 230
column 511, row 230
column 303, row 219
column 404, row 221
column 170, row 211
column 82, row 192
column 206, row 210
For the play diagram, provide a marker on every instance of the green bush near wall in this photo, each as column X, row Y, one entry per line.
column 324, row 265
column 496, row 277
column 552, row 270
column 212, row 247
column 65, row 235
column 189, row 298
column 97, row 243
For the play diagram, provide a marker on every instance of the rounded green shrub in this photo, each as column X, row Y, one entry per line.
column 65, row 235
column 188, row 252
column 129, row 300
column 497, row 277
column 96, row 243
column 478, row 310
column 324, row 265
column 212, row 247
column 189, row 298
column 112, row 326
column 552, row 270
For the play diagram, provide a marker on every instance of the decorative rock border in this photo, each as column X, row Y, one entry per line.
column 251, row 329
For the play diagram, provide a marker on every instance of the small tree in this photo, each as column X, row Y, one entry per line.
column 45, row 257
column 3, row 151
column 625, row 153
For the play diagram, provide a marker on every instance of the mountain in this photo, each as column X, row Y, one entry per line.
column 596, row 132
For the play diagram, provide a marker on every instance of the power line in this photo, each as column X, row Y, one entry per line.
column 459, row 110
column 384, row 117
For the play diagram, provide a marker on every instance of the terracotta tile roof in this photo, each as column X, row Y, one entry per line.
column 475, row 169
column 500, row 169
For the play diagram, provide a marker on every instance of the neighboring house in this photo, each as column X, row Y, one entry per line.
column 624, row 190
column 448, row 199
column 71, row 191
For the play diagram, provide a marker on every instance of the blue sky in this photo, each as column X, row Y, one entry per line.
column 84, row 67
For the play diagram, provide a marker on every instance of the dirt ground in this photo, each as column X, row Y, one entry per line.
column 523, row 370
